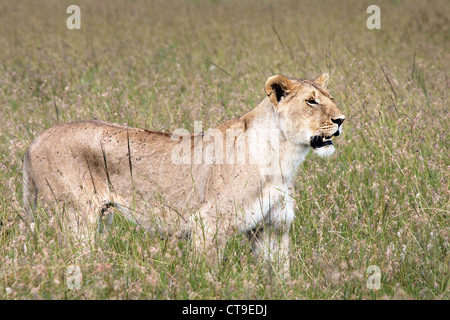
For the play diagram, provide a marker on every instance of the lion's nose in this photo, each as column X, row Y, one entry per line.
column 338, row 121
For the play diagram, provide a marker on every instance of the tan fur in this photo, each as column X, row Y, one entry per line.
column 93, row 165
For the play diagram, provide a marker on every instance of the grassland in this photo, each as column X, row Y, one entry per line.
column 382, row 199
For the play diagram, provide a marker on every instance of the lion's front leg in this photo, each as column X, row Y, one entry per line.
column 209, row 233
column 271, row 242
column 272, row 245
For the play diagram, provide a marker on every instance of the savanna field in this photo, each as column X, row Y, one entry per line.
column 381, row 200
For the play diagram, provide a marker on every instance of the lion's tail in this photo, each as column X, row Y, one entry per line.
column 30, row 191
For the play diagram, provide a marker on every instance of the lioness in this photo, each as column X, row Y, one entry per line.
column 93, row 166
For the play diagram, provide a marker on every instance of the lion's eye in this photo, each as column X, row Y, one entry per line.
column 312, row 102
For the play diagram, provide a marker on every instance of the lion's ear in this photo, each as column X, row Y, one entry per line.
column 322, row 80
column 278, row 87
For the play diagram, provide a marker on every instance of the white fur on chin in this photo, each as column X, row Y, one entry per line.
column 325, row 151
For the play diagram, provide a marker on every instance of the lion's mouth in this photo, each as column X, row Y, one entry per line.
column 319, row 141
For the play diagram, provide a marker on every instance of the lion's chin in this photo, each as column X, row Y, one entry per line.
column 324, row 151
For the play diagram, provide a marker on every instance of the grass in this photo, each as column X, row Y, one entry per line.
column 382, row 199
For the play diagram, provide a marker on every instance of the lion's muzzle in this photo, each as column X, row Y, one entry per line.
column 323, row 139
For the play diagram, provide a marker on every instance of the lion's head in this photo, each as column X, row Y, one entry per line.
column 307, row 111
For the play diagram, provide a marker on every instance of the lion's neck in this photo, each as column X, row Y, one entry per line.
column 282, row 158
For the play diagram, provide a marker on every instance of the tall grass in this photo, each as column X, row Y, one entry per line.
column 382, row 199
